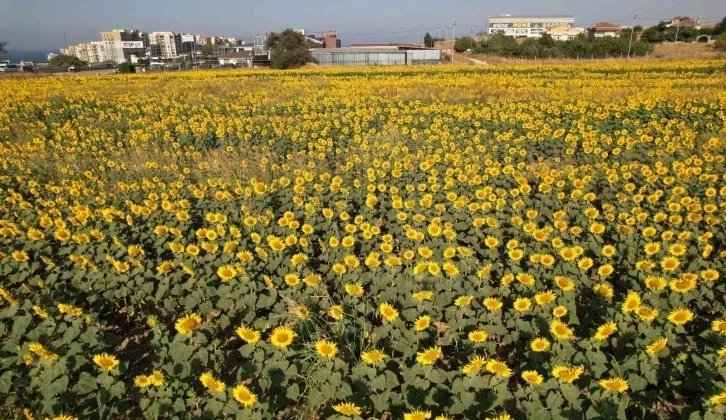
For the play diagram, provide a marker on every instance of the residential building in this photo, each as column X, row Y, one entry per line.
column 564, row 33
column 684, row 21
column 605, row 29
column 163, row 45
column 96, row 52
column 121, row 44
column 527, row 26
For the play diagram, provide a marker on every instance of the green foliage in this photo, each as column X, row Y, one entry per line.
column 207, row 50
column 720, row 43
column 289, row 50
column 545, row 46
column 428, row 40
column 464, row 43
column 3, row 45
column 63, row 60
column 126, row 68
column 720, row 27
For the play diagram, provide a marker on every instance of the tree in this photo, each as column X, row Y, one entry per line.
column 720, row 27
column 721, row 42
column 207, row 49
column 464, row 43
column 428, row 40
column 289, row 50
column 126, row 68
column 62, row 60
column 4, row 43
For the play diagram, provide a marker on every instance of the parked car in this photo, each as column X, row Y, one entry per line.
column 8, row 68
column 74, row 68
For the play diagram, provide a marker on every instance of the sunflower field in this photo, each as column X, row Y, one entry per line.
column 532, row 241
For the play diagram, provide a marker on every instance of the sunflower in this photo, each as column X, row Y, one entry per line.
column 188, row 323
column 493, row 304
column 647, row 314
column 20, row 256
column 684, row 284
column 478, row 336
column 632, row 302
column 566, row 374
column 282, row 337
column 326, row 349
column 565, row 284
column 292, row 279
column 719, row 326
column 605, row 331
column 543, row 298
column 142, row 381
column 388, row 312
column 372, row 357
column 522, row 304
column 655, row 283
column 429, row 356
column 499, row 368
column 336, row 312
column 249, row 335
column 354, row 289
column 561, row 331
column 617, row 384
column 211, row 383
column 226, row 272
column 422, row 295
column 417, row 415
column 504, row 416
column 244, row 396
column 347, row 409
column 718, row 398
column 532, row 377
column 539, row 345
column 680, row 316
column 656, row 346
column 710, row 275
column 105, row 361
column 474, row 365
column 670, row 263
column 559, row 311
column 422, row 323
column 156, row 378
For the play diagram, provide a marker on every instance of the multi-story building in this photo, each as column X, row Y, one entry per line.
column 96, row 52
column 527, row 26
column 121, row 44
column 163, row 45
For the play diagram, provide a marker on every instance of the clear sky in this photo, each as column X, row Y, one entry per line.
column 39, row 24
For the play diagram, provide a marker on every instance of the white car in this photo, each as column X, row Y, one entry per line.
column 8, row 68
column 74, row 68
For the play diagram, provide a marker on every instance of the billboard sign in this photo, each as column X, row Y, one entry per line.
column 187, row 38
column 132, row 44
column 527, row 25
column 330, row 33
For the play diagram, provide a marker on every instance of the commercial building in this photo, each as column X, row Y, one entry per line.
column 387, row 56
column 564, row 33
column 236, row 59
column 605, row 29
column 527, row 26
column 122, row 44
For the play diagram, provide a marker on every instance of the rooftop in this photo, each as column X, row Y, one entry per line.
column 606, row 26
column 357, row 50
column 532, row 17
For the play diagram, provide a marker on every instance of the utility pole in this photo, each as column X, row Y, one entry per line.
column 677, row 28
column 64, row 39
column 453, row 44
column 632, row 31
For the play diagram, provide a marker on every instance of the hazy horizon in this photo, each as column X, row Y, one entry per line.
column 39, row 25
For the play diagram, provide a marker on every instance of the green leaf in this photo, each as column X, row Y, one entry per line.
column 293, row 391
column 6, row 381
column 86, row 383
column 316, row 398
column 570, row 392
column 637, row 383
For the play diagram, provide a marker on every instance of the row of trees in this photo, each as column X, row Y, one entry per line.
column 546, row 46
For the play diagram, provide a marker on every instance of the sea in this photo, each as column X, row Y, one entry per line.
column 15, row 55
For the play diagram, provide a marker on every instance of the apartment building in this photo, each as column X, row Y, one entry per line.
column 121, row 44
column 164, row 44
